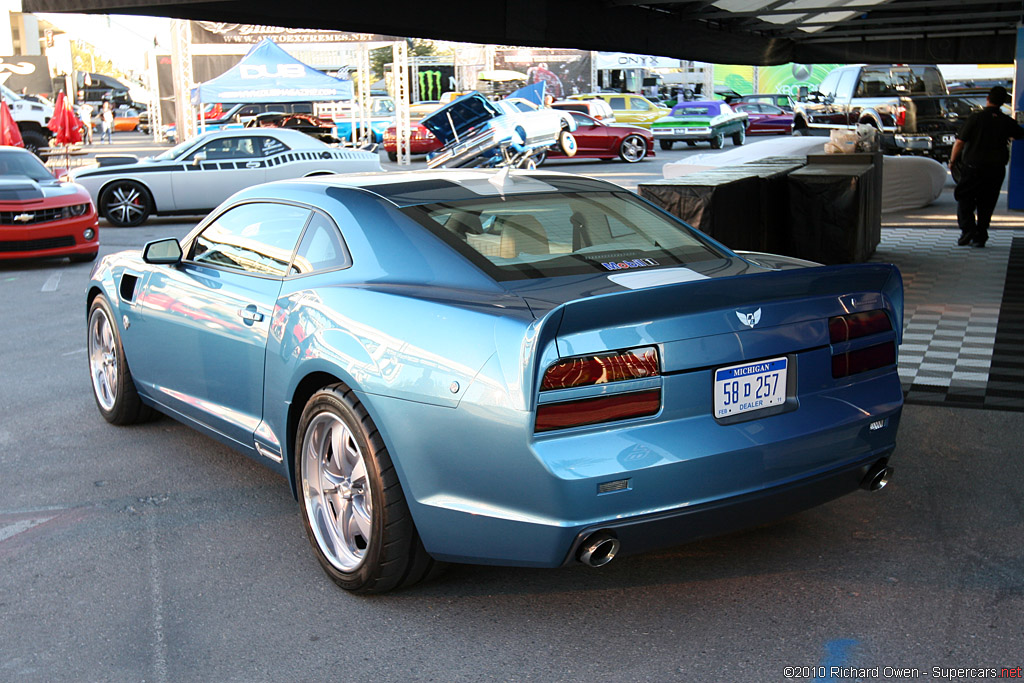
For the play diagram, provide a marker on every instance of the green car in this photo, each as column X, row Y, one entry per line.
column 700, row 121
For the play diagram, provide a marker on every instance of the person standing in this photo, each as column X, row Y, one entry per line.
column 980, row 154
column 107, row 122
column 85, row 113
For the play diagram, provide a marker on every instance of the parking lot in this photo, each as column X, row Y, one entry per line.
column 154, row 553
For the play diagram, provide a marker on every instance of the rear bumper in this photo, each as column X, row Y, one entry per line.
column 642, row 534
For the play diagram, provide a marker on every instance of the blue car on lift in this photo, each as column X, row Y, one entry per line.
column 511, row 368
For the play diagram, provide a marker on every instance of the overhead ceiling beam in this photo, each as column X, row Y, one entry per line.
column 920, row 21
column 893, row 6
column 935, row 31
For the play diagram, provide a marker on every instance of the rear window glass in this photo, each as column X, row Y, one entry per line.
column 549, row 235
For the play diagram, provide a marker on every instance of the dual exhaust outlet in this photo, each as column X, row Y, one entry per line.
column 600, row 547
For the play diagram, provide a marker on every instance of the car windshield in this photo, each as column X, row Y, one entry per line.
column 548, row 235
column 21, row 165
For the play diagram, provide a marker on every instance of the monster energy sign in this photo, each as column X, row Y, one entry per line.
column 434, row 81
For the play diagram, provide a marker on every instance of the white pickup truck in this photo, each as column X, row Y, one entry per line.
column 31, row 118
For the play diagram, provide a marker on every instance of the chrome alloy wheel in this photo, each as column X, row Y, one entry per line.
column 633, row 149
column 126, row 204
column 336, row 491
column 103, row 359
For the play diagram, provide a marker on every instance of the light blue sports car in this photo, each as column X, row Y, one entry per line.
column 513, row 368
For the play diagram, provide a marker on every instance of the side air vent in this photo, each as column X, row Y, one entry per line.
column 127, row 289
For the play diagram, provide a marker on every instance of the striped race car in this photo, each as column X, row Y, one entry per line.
column 197, row 175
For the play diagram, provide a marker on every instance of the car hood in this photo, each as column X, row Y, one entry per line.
column 459, row 116
column 26, row 189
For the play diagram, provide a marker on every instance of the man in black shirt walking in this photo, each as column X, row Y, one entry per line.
column 982, row 150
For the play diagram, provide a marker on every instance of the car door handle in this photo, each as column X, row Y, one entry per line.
column 250, row 315
column 253, row 164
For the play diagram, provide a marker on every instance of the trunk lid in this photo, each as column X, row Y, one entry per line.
column 715, row 321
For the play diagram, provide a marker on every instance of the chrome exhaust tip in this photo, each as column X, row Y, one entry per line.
column 598, row 549
column 877, row 477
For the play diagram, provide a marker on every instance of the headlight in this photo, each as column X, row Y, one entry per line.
column 74, row 211
column 89, row 234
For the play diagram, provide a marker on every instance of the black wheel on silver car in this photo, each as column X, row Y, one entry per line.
column 353, row 507
column 112, row 383
column 739, row 136
column 633, row 149
column 718, row 141
column 125, row 203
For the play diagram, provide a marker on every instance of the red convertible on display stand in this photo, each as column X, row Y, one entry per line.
column 597, row 140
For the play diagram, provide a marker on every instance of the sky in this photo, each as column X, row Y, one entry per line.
column 121, row 38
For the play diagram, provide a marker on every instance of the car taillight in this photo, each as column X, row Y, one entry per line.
column 901, row 115
column 844, row 328
column 600, row 369
column 613, row 367
column 596, row 410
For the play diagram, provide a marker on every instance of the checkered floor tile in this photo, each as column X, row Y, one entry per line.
column 964, row 317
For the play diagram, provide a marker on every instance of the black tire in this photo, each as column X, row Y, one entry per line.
column 393, row 555
column 738, row 137
column 691, row 143
column 632, row 149
column 718, row 142
column 110, row 378
column 83, row 258
column 35, row 142
column 665, row 144
column 125, row 203
column 540, row 157
column 393, row 156
column 800, row 128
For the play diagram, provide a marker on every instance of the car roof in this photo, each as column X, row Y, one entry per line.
column 411, row 188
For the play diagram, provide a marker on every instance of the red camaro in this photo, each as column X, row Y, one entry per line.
column 40, row 216
column 765, row 118
column 597, row 140
column 422, row 141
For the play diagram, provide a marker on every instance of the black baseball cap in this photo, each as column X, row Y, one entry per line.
column 998, row 95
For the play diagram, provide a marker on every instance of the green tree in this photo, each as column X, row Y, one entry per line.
column 84, row 57
column 383, row 55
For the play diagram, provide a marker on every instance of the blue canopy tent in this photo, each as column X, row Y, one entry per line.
column 269, row 74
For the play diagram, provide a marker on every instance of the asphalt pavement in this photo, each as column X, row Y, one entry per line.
column 152, row 553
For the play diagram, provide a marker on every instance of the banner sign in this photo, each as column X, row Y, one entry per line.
column 564, row 72
column 220, row 33
column 30, row 73
column 625, row 60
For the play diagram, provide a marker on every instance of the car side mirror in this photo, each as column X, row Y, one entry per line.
column 199, row 158
column 162, row 252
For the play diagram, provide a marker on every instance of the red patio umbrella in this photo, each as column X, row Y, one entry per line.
column 9, row 133
column 66, row 127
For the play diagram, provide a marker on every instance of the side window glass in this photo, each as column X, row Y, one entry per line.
column 321, row 247
column 249, row 110
column 828, row 86
column 636, row 104
column 255, row 238
column 227, row 148
column 618, row 103
column 270, row 145
column 302, row 108
column 845, row 87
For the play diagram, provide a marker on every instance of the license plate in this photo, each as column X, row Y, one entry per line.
column 948, row 139
column 751, row 386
